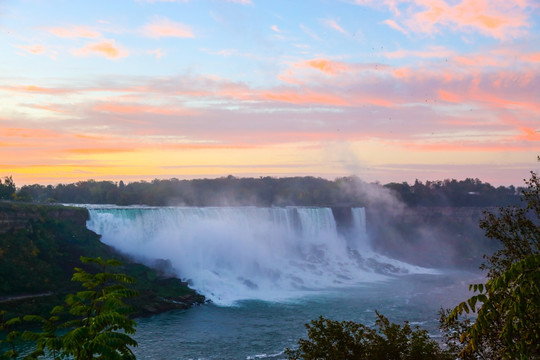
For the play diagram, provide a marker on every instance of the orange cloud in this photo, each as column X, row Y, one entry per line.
column 500, row 19
column 49, row 108
column 33, row 49
column 211, row 146
column 163, row 27
column 529, row 134
column 106, row 48
column 450, row 96
column 326, row 66
column 463, row 146
column 503, row 103
column 480, row 61
column 74, row 32
column 27, row 133
column 34, row 89
column 305, row 98
column 535, row 57
column 137, row 109
column 90, row 151
column 496, row 18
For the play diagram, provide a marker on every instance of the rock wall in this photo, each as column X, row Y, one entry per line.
column 431, row 236
column 19, row 216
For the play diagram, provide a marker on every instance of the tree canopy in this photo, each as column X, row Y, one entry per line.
column 507, row 325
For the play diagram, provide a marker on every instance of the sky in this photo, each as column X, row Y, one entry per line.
column 386, row 90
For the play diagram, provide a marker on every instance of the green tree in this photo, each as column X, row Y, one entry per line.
column 11, row 338
column 97, row 325
column 508, row 311
column 333, row 340
column 7, row 189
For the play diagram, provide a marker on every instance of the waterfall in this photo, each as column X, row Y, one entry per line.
column 235, row 253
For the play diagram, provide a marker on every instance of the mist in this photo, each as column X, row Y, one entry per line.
column 230, row 254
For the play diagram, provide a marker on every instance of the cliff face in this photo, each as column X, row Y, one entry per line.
column 431, row 236
column 16, row 216
column 41, row 244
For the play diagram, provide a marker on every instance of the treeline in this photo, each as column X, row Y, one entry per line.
column 265, row 191
column 451, row 192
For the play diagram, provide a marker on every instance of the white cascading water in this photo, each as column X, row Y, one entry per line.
column 236, row 253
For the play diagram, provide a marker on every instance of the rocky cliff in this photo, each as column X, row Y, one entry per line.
column 41, row 244
column 431, row 236
column 19, row 216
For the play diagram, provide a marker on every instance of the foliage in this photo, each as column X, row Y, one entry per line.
column 98, row 325
column 39, row 251
column 11, row 337
column 451, row 192
column 328, row 339
column 38, row 254
column 452, row 331
column 508, row 312
column 7, row 189
column 510, row 306
column 268, row 191
column 517, row 228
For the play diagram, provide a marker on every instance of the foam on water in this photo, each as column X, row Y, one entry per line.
column 238, row 253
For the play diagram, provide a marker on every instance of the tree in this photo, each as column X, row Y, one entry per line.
column 333, row 340
column 98, row 325
column 508, row 315
column 7, row 189
column 12, row 336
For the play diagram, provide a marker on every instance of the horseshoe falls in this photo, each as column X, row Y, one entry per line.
column 230, row 254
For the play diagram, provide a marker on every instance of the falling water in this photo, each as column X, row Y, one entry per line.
column 239, row 253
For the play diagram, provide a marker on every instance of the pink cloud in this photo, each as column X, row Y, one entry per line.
column 51, row 108
column 450, row 96
column 500, row 19
column 529, row 134
column 106, row 48
column 242, row 2
column 33, row 49
column 74, row 32
column 395, row 26
column 137, row 109
column 534, row 57
column 461, row 146
column 35, row 89
column 163, row 27
column 433, row 52
column 332, row 24
column 305, row 98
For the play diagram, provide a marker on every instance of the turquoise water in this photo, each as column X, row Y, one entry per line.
column 262, row 330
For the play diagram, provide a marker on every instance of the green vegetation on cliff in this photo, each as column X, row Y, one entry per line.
column 41, row 244
column 90, row 324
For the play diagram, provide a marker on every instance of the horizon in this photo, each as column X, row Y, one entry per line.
column 376, row 182
column 388, row 91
